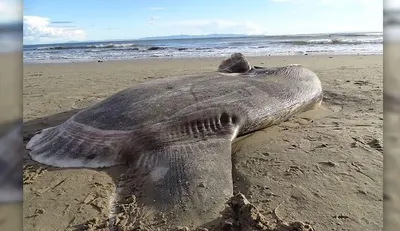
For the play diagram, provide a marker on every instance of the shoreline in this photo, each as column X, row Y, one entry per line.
column 285, row 45
column 192, row 58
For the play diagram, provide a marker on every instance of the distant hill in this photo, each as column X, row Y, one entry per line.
column 194, row 36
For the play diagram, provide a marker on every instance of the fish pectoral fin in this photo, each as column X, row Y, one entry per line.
column 187, row 181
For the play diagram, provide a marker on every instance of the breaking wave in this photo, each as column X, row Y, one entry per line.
column 333, row 41
column 350, row 43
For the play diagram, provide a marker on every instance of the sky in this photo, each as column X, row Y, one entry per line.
column 95, row 20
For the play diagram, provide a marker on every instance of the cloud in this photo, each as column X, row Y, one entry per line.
column 40, row 30
column 10, row 11
column 212, row 27
column 66, row 26
column 61, row 22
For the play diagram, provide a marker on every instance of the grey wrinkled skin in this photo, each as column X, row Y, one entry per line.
column 11, row 148
column 176, row 133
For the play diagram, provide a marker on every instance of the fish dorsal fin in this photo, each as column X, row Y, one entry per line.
column 237, row 63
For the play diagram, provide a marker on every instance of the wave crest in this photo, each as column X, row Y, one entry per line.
column 334, row 41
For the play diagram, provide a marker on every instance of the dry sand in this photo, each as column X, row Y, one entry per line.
column 324, row 167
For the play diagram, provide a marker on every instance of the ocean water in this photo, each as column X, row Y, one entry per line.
column 332, row 44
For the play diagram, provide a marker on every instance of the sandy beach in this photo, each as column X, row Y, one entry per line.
column 323, row 167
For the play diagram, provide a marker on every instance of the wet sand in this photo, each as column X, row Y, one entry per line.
column 323, row 167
